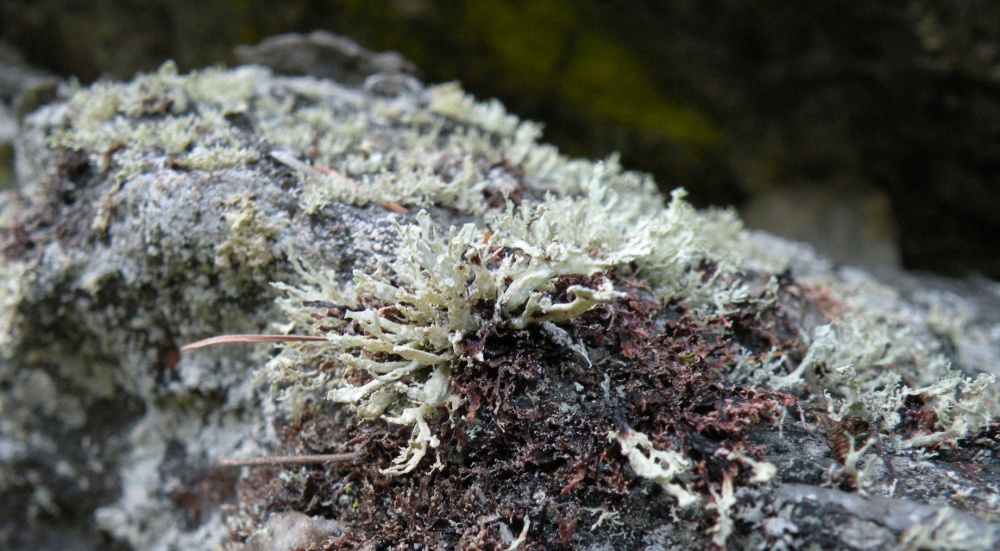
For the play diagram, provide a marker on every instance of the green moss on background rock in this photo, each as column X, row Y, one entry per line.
column 543, row 47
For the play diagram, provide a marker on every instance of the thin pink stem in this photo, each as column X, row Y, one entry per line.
column 286, row 460
column 222, row 339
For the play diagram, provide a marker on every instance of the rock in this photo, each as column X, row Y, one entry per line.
column 115, row 256
column 22, row 89
column 569, row 364
column 291, row 530
column 324, row 55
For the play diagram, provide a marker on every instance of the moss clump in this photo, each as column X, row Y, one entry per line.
column 547, row 428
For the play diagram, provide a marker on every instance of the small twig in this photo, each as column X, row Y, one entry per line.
column 289, row 160
column 391, row 205
column 286, row 460
column 222, row 339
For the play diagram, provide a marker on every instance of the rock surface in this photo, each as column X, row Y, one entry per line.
column 154, row 213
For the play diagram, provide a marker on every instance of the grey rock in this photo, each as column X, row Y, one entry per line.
column 292, row 530
column 324, row 55
column 104, row 428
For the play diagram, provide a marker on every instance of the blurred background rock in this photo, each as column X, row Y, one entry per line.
column 871, row 130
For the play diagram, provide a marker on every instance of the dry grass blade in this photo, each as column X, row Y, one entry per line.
column 222, row 339
column 391, row 205
column 286, row 460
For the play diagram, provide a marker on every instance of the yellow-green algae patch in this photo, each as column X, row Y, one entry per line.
column 544, row 46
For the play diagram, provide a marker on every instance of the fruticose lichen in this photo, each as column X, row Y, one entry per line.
column 406, row 327
column 871, row 367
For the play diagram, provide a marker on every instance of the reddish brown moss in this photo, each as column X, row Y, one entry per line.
column 531, row 435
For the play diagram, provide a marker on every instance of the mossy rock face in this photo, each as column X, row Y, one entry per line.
column 519, row 349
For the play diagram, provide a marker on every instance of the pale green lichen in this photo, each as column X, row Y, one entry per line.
column 355, row 163
column 420, row 168
column 416, row 315
column 945, row 531
column 579, row 230
column 962, row 407
column 868, row 345
column 217, row 157
column 315, row 128
column 412, row 182
column 723, row 501
column 13, row 276
column 661, row 466
column 451, row 101
column 610, row 218
column 860, row 361
column 181, row 116
column 250, row 231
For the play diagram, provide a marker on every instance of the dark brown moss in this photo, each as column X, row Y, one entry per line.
column 530, row 439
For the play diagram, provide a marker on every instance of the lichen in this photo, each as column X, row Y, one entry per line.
column 868, row 366
column 722, row 503
column 662, row 467
column 944, row 532
column 962, row 406
column 248, row 242
column 443, row 288
column 183, row 117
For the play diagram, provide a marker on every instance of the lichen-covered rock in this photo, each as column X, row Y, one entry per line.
column 517, row 349
column 119, row 247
